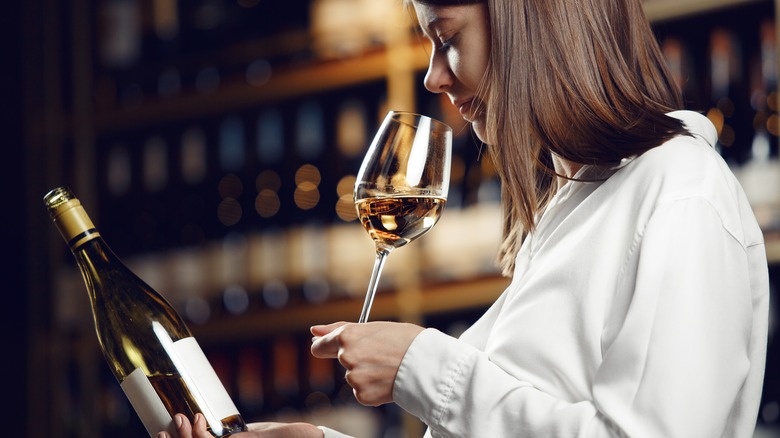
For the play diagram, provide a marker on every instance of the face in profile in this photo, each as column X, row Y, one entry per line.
column 460, row 41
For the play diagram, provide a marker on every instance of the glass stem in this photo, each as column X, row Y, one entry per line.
column 381, row 254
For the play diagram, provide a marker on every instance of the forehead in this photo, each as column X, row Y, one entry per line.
column 430, row 15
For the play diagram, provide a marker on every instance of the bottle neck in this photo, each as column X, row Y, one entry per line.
column 74, row 224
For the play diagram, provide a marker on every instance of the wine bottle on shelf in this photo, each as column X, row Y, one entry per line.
column 150, row 350
column 251, row 386
column 120, row 33
column 286, row 378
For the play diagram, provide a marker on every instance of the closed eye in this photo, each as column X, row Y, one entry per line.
column 445, row 44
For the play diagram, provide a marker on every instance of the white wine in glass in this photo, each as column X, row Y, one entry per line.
column 402, row 185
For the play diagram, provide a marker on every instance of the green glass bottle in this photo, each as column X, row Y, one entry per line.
column 147, row 345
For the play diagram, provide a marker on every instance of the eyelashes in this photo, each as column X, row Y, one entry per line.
column 446, row 44
column 442, row 45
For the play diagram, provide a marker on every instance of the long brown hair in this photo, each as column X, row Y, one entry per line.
column 583, row 80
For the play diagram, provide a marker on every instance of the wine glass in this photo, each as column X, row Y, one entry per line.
column 402, row 185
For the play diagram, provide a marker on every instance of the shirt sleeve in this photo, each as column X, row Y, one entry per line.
column 674, row 361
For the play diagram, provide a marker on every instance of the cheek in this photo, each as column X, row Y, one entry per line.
column 468, row 70
column 454, row 61
column 464, row 70
column 479, row 67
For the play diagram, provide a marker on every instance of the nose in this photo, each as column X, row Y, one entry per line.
column 439, row 77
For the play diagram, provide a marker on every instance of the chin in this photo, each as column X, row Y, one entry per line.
column 479, row 129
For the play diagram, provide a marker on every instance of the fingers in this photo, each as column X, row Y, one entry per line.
column 371, row 353
column 322, row 330
column 327, row 343
column 199, row 428
column 283, row 430
column 185, row 430
column 258, row 427
column 183, row 426
column 265, row 430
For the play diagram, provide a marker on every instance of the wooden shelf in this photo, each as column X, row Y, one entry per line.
column 392, row 305
column 660, row 10
column 433, row 299
column 285, row 83
column 291, row 82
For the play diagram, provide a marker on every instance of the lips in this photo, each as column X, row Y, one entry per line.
column 464, row 107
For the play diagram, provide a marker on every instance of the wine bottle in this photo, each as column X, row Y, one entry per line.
column 151, row 352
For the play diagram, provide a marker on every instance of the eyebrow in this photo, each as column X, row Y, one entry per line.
column 428, row 28
column 438, row 20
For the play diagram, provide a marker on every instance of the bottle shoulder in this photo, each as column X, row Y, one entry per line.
column 118, row 294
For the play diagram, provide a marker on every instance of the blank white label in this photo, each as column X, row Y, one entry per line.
column 202, row 381
column 147, row 404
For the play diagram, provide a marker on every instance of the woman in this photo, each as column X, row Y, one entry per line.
column 639, row 300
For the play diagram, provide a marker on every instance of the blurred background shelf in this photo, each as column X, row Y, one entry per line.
column 773, row 249
column 215, row 142
column 288, row 82
column 659, row 10
column 391, row 305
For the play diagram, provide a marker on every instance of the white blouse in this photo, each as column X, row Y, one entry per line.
column 639, row 307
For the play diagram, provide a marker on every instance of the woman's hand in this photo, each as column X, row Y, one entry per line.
column 256, row 430
column 371, row 353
